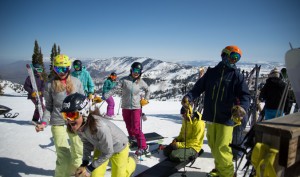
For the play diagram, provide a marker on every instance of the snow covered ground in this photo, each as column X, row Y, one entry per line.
column 23, row 152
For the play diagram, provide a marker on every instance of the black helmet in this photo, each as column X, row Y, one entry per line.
column 137, row 65
column 76, row 102
column 113, row 74
column 78, row 63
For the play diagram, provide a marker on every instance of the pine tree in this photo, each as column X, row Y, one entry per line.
column 54, row 52
column 37, row 58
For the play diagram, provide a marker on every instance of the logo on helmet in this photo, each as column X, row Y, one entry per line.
column 66, row 105
column 83, row 104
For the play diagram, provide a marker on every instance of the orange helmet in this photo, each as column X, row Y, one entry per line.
column 232, row 48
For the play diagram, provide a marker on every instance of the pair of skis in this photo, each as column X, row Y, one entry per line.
column 30, row 70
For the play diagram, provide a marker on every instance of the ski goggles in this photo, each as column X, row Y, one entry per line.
column 72, row 116
column 113, row 77
column 76, row 66
column 59, row 69
column 136, row 70
column 39, row 70
column 234, row 57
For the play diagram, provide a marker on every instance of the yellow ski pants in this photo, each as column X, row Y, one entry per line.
column 219, row 137
column 69, row 155
column 121, row 164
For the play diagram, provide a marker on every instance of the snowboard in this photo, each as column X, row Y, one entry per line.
column 292, row 63
column 152, row 137
column 35, row 89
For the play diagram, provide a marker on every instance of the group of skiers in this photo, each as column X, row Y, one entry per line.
column 68, row 96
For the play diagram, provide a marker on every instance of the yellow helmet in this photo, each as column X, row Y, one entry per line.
column 62, row 61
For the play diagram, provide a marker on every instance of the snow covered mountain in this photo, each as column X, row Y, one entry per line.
column 166, row 79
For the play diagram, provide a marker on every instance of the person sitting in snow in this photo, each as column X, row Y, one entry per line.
column 189, row 141
column 109, row 141
column 32, row 95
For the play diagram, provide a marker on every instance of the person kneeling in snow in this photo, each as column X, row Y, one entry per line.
column 109, row 141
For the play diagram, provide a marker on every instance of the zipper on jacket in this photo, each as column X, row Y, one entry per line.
column 222, row 93
column 215, row 109
column 213, row 95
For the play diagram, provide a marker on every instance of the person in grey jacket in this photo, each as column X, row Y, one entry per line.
column 69, row 155
column 132, row 102
column 109, row 141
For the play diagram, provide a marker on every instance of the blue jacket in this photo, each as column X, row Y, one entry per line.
column 86, row 80
column 107, row 85
column 224, row 87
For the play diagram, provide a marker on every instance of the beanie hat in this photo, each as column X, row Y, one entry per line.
column 274, row 73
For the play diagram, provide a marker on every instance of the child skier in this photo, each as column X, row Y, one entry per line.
column 108, row 84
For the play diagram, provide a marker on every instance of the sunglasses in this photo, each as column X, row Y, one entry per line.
column 59, row 69
column 77, row 66
column 113, row 77
column 39, row 70
column 136, row 70
column 234, row 57
column 72, row 116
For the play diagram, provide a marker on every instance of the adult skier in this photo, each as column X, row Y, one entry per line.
column 67, row 144
column 132, row 102
column 38, row 70
column 84, row 76
column 222, row 85
column 109, row 141
column 108, row 84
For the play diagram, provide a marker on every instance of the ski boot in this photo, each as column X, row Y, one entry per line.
column 213, row 173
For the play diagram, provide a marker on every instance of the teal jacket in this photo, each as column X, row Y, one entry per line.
column 107, row 85
column 86, row 80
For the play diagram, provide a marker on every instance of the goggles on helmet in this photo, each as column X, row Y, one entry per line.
column 59, row 69
column 39, row 70
column 234, row 57
column 136, row 70
column 72, row 116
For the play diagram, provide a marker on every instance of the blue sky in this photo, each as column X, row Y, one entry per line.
column 168, row 30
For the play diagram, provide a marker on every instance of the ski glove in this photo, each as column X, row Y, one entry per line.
column 90, row 96
column 34, row 94
column 144, row 102
column 237, row 114
column 82, row 172
column 97, row 99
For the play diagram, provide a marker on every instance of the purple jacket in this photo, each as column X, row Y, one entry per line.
column 39, row 83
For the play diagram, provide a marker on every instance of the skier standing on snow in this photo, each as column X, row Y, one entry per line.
column 109, row 141
column 222, row 85
column 38, row 70
column 69, row 156
column 84, row 76
column 271, row 93
column 131, row 87
column 108, row 84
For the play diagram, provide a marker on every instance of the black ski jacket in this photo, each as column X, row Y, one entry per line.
column 224, row 87
column 271, row 92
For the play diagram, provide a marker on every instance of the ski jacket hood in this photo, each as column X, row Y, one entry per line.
column 109, row 139
column 131, row 92
column 86, row 80
column 224, row 87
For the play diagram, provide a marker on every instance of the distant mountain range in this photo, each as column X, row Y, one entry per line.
column 166, row 79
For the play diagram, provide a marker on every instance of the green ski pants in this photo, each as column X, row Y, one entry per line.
column 69, row 155
column 219, row 137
